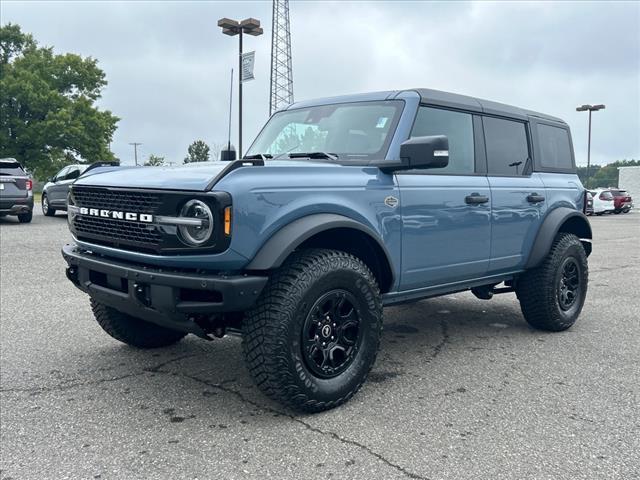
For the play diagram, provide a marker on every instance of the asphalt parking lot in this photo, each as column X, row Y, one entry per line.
column 462, row 388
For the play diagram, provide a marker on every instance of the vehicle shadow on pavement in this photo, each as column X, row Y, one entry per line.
column 414, row 339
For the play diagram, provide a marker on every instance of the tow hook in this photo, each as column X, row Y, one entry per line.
column 141, row 292
column 72, row 274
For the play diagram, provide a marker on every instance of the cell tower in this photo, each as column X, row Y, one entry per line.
column 281, row 75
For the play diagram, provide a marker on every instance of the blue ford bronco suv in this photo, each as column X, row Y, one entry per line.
column 340, row 207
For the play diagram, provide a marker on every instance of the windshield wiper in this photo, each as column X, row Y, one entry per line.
column 330, row 156
column 258, row 156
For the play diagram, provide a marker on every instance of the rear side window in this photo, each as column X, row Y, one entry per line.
column 11, row 168
column 507, row 146
column 555, row 146
column 458, row 127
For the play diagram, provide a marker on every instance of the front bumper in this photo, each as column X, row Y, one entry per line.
column 167, row 297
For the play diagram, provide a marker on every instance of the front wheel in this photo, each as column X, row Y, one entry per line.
column 131, row 330
column 46, row 208
column 552, row 295
column 314, row 334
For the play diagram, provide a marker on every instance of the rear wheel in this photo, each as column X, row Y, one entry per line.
column 46, row 208
column 25, row 217
column 314, row 334
column 552, row 294
column 132, row 330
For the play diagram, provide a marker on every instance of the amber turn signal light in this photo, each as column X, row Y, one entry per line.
column 227, row 221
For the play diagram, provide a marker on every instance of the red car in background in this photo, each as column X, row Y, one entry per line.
column 621, row 201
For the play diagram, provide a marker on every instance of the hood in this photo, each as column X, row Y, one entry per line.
column 195, row 176
column 187, row 177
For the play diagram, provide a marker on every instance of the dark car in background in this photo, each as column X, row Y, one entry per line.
column 55, row 191
column 622, row 201
column 16, row 190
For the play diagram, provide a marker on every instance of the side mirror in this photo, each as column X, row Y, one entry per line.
column 419, row 152
column 425, row 152
column 228, row 154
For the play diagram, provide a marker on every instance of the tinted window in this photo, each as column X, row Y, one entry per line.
column 458, row 127
column 555, row 146
column 619, row 193
column 507, row 147
column 61, row 174
column 11, row 168
column 73, row 173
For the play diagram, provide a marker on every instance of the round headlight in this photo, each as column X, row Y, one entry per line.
column 199, row 231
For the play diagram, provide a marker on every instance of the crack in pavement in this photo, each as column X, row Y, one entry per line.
column 71, row 384
column 444, row 327
column 308, row 426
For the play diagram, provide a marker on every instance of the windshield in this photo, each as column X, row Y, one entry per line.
column 348, row 130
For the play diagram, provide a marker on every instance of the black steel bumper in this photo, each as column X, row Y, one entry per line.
column 173, row 299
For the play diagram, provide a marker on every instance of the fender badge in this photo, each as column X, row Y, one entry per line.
column 391, row 202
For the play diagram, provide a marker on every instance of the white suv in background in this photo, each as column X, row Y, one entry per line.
column 602, row 201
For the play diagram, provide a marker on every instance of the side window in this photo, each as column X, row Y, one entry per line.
column 458, row 127
column 555, row 146
column 61, row 174
column 73, row 173
column 507, row 146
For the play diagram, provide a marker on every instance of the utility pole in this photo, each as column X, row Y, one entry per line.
column 135, row 151
column 250, row 26
column 281, row 91
column 589, row 108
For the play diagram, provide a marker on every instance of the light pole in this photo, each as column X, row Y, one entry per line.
column 250, row 26
column 589, row 108
column 135, row 151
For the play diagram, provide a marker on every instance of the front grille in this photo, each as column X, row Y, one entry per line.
column 131, row 201
column 117, row 231
column 114, row 232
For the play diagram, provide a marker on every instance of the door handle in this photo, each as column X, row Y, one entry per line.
column 535, row 198
column 476, row 199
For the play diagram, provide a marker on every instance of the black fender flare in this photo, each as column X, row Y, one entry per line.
column 275, row 250
column 551, row 225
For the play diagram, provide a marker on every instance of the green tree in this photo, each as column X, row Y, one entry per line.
column 154, row 161
column 604, row 176
column 198, row 151
column 48, row 116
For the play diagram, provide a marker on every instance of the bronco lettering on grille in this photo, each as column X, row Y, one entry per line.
column 117, row 215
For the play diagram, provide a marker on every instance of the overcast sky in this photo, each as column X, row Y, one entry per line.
column 168, row 65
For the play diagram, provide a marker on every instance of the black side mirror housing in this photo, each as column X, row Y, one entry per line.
column 420, row 152
column 228, row 154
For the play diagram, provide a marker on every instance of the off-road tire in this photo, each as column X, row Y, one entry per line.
column 47, row 210
column 25, row 217
column 273, row 329
column 131, row 330
column 538, row 289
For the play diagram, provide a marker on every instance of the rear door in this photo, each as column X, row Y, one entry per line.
column 517, row 195
column 445, row 212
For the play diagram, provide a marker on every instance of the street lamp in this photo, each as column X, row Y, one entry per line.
column 250, row 26
column 589, row 108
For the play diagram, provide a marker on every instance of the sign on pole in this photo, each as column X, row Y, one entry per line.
column 248, row 60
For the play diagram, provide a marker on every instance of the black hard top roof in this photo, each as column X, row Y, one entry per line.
column 453, row 100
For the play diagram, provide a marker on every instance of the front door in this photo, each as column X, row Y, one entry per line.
column 445, row 212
